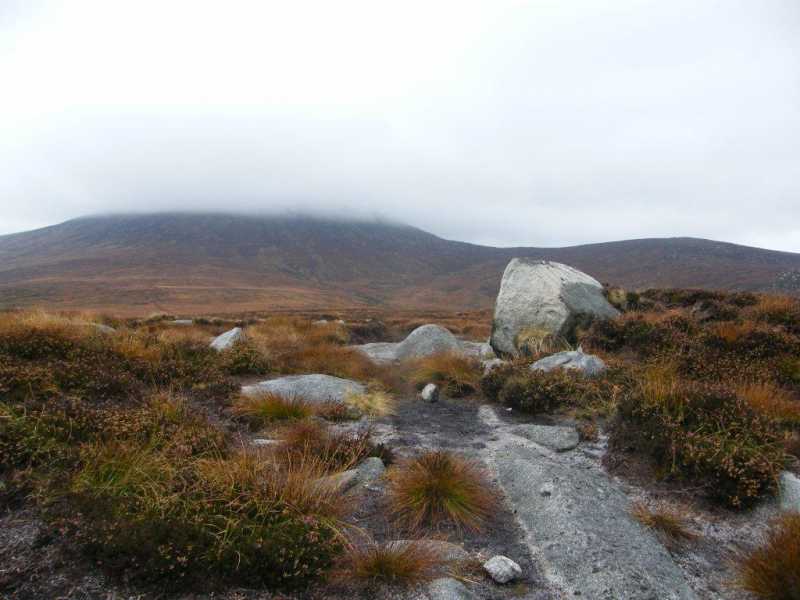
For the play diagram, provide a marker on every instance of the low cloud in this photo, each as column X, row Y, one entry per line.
column 519, row 123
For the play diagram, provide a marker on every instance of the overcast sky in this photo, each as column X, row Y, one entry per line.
column 548, row 122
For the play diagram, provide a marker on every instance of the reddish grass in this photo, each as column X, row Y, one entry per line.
column 439, row 487
column 772, row 570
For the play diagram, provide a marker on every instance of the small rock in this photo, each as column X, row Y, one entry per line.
column 502, row 569
column 369, row 471
column 263, row 442
column 546, row 490
column 227, row 339
column 447, row 588
column 103, row 328
column 430, row 393
column 789, row 494
column 182, row 322
column 314, row 388
column 491, row 365
column 575, row 360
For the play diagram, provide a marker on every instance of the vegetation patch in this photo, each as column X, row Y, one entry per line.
column 772, row 570
column 457, row 375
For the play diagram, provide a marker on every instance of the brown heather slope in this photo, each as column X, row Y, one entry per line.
column 193, row 263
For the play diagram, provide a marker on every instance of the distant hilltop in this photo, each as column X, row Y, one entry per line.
column 222, row 262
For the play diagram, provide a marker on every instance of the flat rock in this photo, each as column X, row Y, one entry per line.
column 574, row 360
column 502, row 569
column 555, row 437
column 228, row 339
column 580, row 523
column 182, row 322
column 789, row 491
column 316, row 388
column 540, row 298
column 447, row 588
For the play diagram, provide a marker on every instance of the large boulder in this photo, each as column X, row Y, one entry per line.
column 543, row 298
column 315, row 388
column 573, row 360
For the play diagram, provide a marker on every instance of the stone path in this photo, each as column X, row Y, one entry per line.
column 576, row 518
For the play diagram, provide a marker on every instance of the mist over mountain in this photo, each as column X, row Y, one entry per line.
column 216, row 262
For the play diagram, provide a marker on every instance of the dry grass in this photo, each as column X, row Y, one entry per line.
column 260, row 409
column 534, row 342
column 772, row 571
column 768, row 399
column 439, row 487
column 375, row 403
column 456, row 374
column 733, row 331
column 666, row 520
column 369, row 564
column 338, row 450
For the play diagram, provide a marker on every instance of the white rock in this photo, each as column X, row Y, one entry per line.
column 546, row 297
column 575, row 360
column 492, row 364
column 789, row 492
column 430, row 393
column 227, row 339
column 502, row 569
column 426, row 341
column 315, row 388
column 182, row 322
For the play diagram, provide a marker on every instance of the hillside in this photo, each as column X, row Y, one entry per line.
column 218, row 262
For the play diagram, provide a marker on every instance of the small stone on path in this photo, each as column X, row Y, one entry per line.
column 502, row 569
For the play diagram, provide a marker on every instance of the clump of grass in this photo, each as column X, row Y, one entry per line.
column 456, row 374
column 375, row 402
column 534, row 343
column 395, row 564
column 261, row 409
column 439, row 487
column 588, row 431
column 777, row 403
column 772, row 570
column 666, row 520
column 336, row 449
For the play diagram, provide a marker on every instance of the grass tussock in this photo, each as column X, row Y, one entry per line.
column 338, row 450
column 439, row 487
column 457, row 375
column 262, row 409
column 372, row 564
column 772, row 570
column 775, row 402
column 375, row 403
column 666, row 520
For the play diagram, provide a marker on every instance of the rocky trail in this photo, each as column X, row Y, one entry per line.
column 564, row 520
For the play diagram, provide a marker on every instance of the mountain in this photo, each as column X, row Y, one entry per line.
column 222, row 262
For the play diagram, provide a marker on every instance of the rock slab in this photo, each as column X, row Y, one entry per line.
column 316, row 388
column 544, row 297
column 447, row 588
column 789, row 492
column 579, row 524
column 573, row 360
column 555, row 437
column 226, row 340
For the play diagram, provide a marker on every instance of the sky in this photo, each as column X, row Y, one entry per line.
column 542, row 123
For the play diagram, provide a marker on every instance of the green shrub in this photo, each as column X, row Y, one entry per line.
column 537, row 392
column 702, row 433
column 244, row 358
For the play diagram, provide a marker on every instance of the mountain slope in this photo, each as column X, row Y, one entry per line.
column 218, row 262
